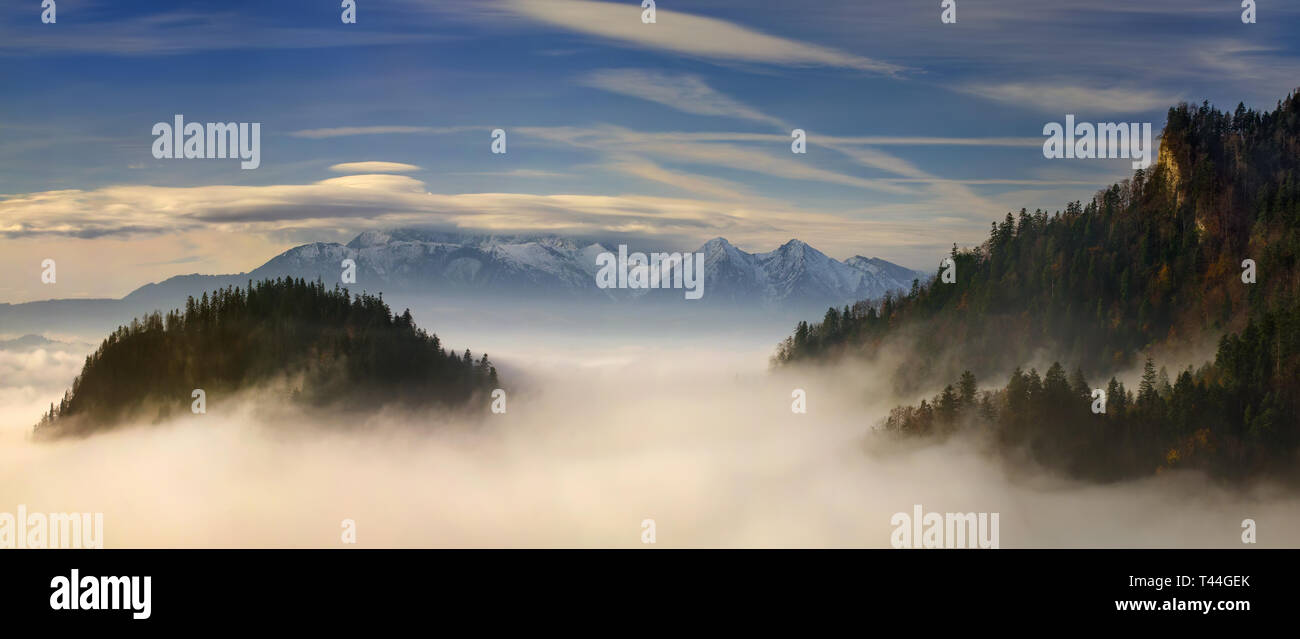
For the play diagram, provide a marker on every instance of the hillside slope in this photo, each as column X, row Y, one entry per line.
column 1157, row 260
column 322, row 347
column 1154, row 259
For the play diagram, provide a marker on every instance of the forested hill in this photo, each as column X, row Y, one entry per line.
column 1154, row 260
column 318, row 346
column 1155, row 257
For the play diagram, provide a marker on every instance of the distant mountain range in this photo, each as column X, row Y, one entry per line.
column 412, row 260
column 407, row 262
column 797, row 274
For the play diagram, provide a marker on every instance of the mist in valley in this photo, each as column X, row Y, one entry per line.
column 604, row 428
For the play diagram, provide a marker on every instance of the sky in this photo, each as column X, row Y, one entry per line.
column 919, row 133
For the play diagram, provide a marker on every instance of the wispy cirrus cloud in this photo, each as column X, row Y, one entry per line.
column 895, row 140
column 1071, row 98
column 634, row 153
column 691, row 94
column 687, row 34
column 379, row 201
column 773, row 161
column 686, row 93
column 347, row 131
column 693, row 136
column 172, row 32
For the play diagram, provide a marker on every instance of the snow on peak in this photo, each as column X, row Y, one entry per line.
column 370, row 239
column 413, row 259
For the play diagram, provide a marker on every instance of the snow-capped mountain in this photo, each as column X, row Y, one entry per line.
column 889, row 274
column 526, row 267
column 413, row 264
column 412, row 260
column 406, row 260
column 796, row 273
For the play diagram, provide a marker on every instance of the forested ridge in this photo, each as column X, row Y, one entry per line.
column 1155, row 260
column 325, row 347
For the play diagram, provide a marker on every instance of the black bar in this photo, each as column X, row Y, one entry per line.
column 210, row 588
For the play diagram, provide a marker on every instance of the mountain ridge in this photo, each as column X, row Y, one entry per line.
column 1204, row 245
column 496, row 269
column 401, row 260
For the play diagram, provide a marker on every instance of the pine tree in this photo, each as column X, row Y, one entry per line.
column 1147, row 387
column 968, row 389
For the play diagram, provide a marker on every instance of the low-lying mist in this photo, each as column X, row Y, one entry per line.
column 697, row 435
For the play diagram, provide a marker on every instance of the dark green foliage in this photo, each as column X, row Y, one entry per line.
column 1233, row 418
column 1154, row 260
column 1154, row 257
column 329, row 347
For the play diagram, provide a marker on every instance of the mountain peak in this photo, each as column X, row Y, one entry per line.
column 417, row 260
column 368, row 239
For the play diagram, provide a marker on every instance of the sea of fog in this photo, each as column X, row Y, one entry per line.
column 602, row 431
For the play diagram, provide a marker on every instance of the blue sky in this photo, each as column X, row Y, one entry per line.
column 919, row 133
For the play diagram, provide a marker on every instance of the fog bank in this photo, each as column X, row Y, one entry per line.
column 698, row 436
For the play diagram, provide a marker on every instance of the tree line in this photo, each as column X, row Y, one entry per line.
column 327, row 346
column 1156, row 259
